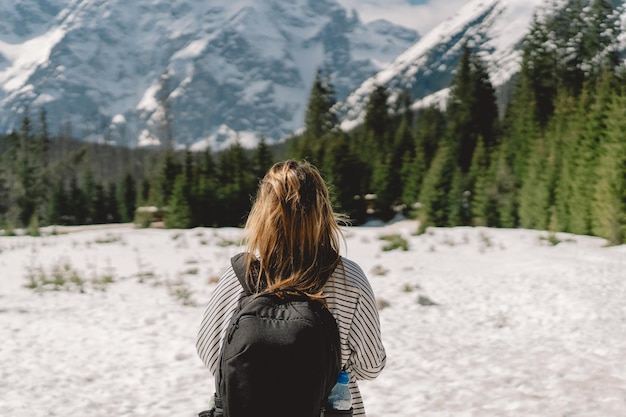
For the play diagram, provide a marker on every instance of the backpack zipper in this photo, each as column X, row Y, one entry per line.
column 233, row 328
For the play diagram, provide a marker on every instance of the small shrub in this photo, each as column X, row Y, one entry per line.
column 410, row 288
column 224, row 243
column 551, row 239
column 143, row 219
column 180, row 291
column 144, row 275
column 421, row 229
column 425, row 301
column 108, row 238
column 33, row 227
column 62, row 276
column 9, row 230
column 485, row 242
column 394, row 241
column 422, row 226
column 101, row 283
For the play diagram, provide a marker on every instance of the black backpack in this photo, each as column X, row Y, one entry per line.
column 280, row 356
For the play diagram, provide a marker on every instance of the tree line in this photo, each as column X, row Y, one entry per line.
column 551, row 157
column 63, row 181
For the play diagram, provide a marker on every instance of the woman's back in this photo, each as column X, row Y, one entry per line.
column 293, row 240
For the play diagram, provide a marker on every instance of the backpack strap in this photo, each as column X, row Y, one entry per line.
column 239, row 264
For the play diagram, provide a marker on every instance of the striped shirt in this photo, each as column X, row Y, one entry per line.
column 349, row 297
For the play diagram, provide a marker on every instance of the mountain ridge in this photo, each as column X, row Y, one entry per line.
column 427, row 68
column 233, row 71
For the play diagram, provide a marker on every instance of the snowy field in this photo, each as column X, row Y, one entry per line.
column 476, row 322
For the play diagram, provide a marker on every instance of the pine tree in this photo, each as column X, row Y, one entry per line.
column 594, row 108
column 112, row 206
column 170, row 169
column 413, row 171
column 484, row 201
column 608, row 208
column 585, row 36
column 504, row 195
column 88, row 188
column 565, row 126
column 28, row 175
column 520, row 129
column 403, row 149
column 382, row 184
column 144, row 192
column 472, row 110
column 568, row 29
column 57, row 206
column 77, row 204
column 434, row 195
column 534, row 203
column 263, row 158
column 460, row 134
column 4, row 191
column 477, row 182
column 485, row 111
column 100, row 204
column 601, row 40
column 320, row 120
column 236, row 186
column 127, row 198
column 341, row 168
column 538, row 73
column 459, row 212
column 429, row 131
column 205, row 209
column 178, row 215
column 377, row 121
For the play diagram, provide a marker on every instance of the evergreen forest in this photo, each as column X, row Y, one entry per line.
column 551, row 155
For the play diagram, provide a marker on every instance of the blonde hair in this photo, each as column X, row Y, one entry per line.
column 293, row 230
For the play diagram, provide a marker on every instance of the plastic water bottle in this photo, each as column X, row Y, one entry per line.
column 340, row 397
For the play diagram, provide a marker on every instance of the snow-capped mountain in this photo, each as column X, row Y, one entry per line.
column 107, row 69
column 426, row 69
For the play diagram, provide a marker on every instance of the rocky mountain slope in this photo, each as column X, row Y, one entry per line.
column 426, row 69
column 220, row 72
column 208, row 72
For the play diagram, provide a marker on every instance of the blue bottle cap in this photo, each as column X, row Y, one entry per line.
column 343, row 377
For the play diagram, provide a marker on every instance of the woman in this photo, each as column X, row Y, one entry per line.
column 294, row 234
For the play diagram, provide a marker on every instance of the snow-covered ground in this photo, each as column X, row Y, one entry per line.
column 519, row 327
